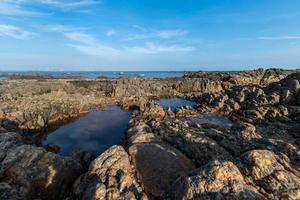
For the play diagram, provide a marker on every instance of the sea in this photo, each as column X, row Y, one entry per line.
column 96, row 74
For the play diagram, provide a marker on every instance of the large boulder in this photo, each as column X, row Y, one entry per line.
column 38, row 173
column 158, row 165
column 111, row 177
column 271, row 173
column 216, row 180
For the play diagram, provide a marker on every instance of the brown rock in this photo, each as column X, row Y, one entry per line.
column 264, row 168
column 216, row 180
column 37, row 173
column 158, row 165
column 111, row 177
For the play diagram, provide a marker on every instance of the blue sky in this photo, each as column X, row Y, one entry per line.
column 149, row 34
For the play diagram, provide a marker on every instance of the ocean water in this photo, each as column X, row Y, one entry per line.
column 95, row 74
column 95, row 132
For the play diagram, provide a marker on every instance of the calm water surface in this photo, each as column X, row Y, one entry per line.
column 94, row 132
column 173, row 103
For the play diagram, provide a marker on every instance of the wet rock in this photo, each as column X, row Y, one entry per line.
column 158, row 165
column 52, row 148
column 38, row 173
column 110, row 176
column 216, row 180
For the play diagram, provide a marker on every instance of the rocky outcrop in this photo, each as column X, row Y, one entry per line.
column 259, row 76
column 166, row 154
column 271, row 173
column 158, row 165
column 215, row 180
column 110, row 176
column 35, row 173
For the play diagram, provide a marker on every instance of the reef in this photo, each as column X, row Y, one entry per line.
column 165, row 153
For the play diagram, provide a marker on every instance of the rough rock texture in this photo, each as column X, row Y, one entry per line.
column 271, row 173
column 36, row 173
column 215, row 180
column 180, row 154
column 110, row 176
column 158, row 165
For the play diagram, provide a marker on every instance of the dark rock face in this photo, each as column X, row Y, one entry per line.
column 36, row 173
column 165, row 154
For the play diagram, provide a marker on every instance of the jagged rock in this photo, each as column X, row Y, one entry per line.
column 38, row 173
column 7, row 192
column 158, row 165
column 194, row 143
column 269, row 172
column 111, row 177
column 153, row 111
column 82, row 157
column 8, row 140
column 216, row 180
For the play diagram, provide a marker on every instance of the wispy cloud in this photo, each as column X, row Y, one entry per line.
column 90, row 45
column 15, row 32
column 69, row 4
column 273, row 38
column 83, row 41
column 164, row 34
column 152, row 48
column 9, row 7
column 22, row 7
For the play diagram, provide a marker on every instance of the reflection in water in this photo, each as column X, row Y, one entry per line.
column 173, row 103
column 95, row 132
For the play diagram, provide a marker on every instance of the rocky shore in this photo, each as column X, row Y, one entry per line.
column 165, row 154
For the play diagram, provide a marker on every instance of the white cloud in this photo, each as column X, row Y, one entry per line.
column 152, row 48
column 90, row 45
column 68, row 5
column 9, row 7
column 273, row 38
column 164, row 34
column 15, row 32
column 84, row 42
column 110, row 33
column 21, row 7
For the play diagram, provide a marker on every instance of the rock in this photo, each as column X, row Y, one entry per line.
column 216, row 180
column 38, row 173
column 3, row 130
column 287, row 97
column 82, row 157
column 7, row 192
column 52, row 148
column 194, row 143
column 158, row 165
column 153, row 111
column 111, row 177
column 143, row 138
column 266, row 170
column 7, row 141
